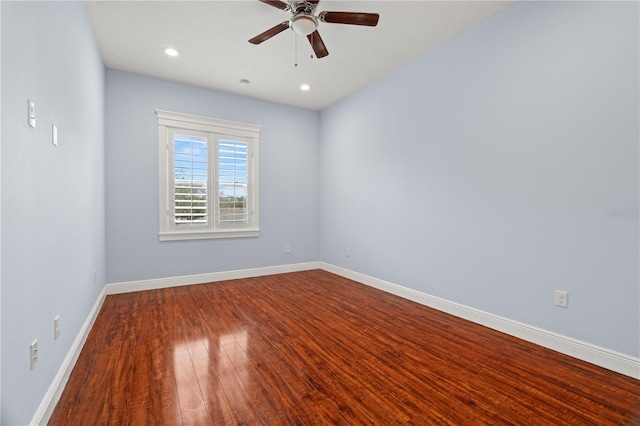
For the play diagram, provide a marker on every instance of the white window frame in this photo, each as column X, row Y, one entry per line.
column 215, row 130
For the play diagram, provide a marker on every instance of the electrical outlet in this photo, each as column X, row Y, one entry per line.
column 33, row 352
column 562, row 299
column 287, row 248
column 56, row 327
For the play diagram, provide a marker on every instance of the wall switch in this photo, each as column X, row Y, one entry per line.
column 31, row 113
column 33, row 351
column 562, row 299
column 287, row 248
column 95, row 276
column 347, row 252
column 54, row 135
column 56, row 327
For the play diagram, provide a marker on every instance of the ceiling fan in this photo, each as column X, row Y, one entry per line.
column 304, row 22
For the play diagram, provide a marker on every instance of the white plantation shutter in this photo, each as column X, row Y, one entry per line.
column 190, row 164
column 232, row 182
column 208, row 177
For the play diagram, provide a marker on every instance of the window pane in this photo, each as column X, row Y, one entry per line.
column 190, row 170
column 232, row 182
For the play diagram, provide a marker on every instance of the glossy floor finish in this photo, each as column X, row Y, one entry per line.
column 313, row 348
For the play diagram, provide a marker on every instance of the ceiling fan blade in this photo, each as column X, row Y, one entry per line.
column 317, row 44
column 276, row 3
column 352, row 18
column 270, row 33
column 312, row 3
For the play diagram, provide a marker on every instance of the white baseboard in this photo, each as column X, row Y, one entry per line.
column 152, row 284
column 603, row 357
column 54, row 392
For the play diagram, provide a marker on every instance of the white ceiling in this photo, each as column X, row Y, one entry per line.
column 212, row 37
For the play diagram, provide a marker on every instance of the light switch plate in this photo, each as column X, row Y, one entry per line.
column 54, row 134
column 31, row 113
column 33, row 354
column 56, row 327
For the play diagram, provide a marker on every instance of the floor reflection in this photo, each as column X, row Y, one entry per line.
column 212, row 375
column 232, row 359
column 192, row 393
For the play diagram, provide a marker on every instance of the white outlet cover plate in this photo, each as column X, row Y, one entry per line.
column 562, row 299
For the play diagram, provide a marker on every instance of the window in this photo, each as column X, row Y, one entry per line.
column 208, row 177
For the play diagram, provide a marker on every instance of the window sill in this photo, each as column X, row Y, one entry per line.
column 205, row 235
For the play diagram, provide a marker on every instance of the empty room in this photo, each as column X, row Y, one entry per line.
column 309, row 212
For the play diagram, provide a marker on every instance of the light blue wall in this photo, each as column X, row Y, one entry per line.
column 288, row 182
column 481, row 172
column 53, row 226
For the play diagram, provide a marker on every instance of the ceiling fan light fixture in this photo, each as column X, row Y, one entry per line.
column 303, row 24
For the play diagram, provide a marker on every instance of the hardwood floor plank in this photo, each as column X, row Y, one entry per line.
column 192, row 406
column 312, row 348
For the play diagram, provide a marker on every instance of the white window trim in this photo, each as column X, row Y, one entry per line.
column 168, row 120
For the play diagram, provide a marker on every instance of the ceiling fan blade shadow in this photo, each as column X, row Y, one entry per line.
column 351, row 18
column 317, row 44
column 270, row 33
column 276, row 3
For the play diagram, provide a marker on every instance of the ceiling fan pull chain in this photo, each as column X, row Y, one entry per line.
column 295, row 49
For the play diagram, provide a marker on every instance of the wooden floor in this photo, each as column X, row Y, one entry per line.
column 313, row 348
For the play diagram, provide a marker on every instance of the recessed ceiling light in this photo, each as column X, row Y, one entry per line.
column 170, row 51
column 244, row 82
column 305, row 87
